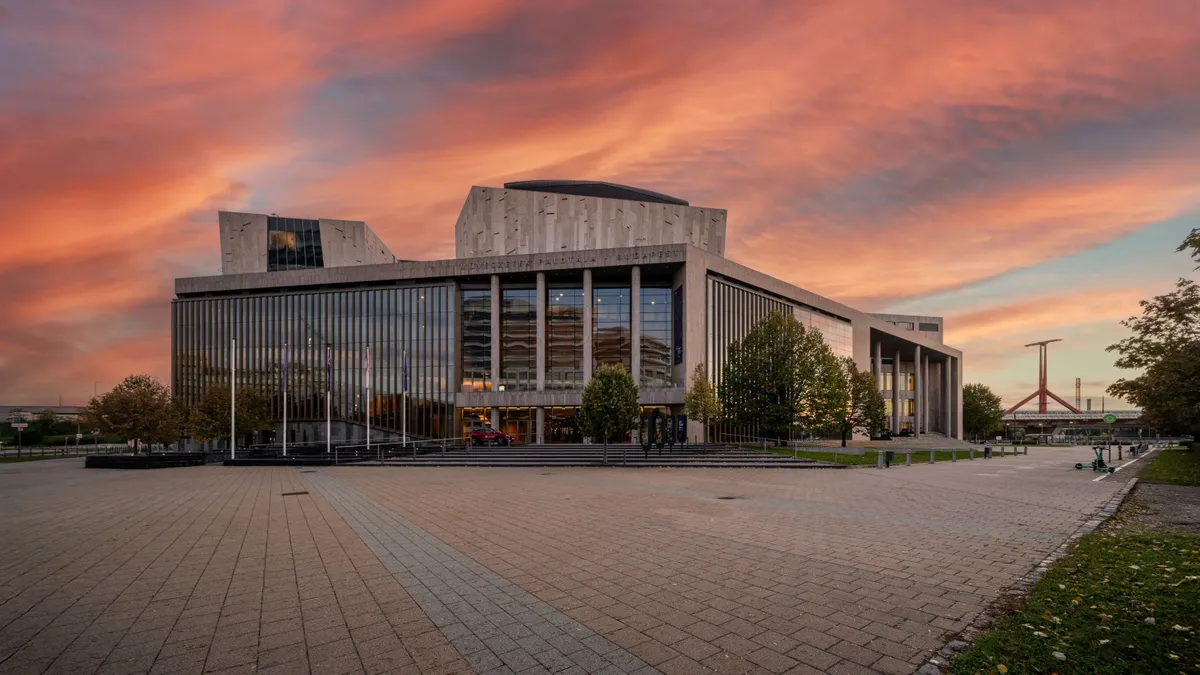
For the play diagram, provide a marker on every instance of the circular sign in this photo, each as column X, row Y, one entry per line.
column 1110, row 418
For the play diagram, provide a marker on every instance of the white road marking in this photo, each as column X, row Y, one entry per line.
column 1139, row 457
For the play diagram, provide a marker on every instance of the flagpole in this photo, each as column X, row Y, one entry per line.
column 368, row 378
column 404, row 403
column 328, row 390
column 285, row 396
column 232, row 400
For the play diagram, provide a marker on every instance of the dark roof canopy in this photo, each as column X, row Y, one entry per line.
column 592, row 188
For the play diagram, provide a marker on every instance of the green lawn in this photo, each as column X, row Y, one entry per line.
column 1174, row 465
column 868, row 457
column 1117, row 604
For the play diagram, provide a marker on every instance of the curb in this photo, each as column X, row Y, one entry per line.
column 940, row 662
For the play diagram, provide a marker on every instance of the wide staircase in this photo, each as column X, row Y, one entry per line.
column 708, row 456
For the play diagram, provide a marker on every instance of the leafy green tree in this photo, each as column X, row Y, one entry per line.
column 610, row 404
column 770, row 379
column 862, row 409
column 1165, row 346
column 1192, row 241
column 824, row 401
column 140, row 409
column 209, row 419
column 982, row 412
column 701, row 402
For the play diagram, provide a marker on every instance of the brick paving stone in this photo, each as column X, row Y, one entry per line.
column 389, row 570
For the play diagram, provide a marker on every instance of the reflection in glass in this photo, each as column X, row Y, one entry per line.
column 293, row 244
column 518, row 339
column 564, row 338
column 611, row 320
column 656, row 337
column 477, row 340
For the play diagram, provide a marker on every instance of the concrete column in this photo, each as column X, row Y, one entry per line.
column 541, row 335
column 958, row 403
column 494, row 418
column 925, row 387
column 896, row 393
column 587, row 326
column 918, row 391
column 635, row 323
column 495, row 332
column 541, row 425
column 879, row 366
column 947, row 399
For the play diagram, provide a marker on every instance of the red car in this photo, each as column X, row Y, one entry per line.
column 489, row 436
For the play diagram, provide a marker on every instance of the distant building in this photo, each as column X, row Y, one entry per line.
column 31, row 412
column 551, row 279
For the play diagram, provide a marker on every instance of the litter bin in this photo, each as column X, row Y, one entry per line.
column 987, row 452
column 888, row 457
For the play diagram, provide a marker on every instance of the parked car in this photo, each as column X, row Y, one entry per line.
column 489, row 436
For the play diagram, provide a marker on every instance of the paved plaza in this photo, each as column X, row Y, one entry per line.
column 459, row 570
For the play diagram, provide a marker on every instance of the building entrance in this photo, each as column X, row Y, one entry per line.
column 472, row 419
column 520, row 423
column 562, row 425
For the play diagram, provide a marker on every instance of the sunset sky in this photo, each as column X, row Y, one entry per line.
column 1025, row 169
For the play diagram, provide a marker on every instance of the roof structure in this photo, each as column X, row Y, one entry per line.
column 592, row 188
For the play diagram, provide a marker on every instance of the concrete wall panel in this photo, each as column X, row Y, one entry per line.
column 497, row 221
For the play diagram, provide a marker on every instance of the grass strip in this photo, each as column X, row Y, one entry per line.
column 1118, row 603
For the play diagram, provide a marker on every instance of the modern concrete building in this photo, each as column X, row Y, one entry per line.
column 550, row 280
column 253, row 242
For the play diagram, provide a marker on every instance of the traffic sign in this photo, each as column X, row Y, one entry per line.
column 1110, row 418
column 78, row 436
column 20, row 425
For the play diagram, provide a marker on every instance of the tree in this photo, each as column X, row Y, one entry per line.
column 1165, row 346
column 140, row 409
column 610, row 404
column 770, row 378
column 209, row 419
column 1192, row 241
column 863, row 407
column 701, row 402
column 982, row 412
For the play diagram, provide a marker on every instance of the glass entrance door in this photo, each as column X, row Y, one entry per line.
column 519, row 423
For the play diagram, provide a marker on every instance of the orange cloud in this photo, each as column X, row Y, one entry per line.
column 867, row 150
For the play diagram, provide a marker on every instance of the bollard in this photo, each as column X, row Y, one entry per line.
column 931, row 457
column 1119, row 458
column 954, row 455
column 1026, row 449
column 908, row 459
column 878, row 459
column 1002, row 451
column 972, row 453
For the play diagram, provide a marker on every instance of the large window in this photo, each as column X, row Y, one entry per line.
column 518, row 339
column 564, row 338
column 477, row 340
column 656, row 337
column 611, row 327
column 407, row 331
column 293, row 244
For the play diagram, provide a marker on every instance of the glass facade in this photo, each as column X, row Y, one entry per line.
column 293, row 244
column 410, row 324
column 656, row 337
column 611, row 321
column 476, row 340
column 838, row 333
column 733, row 310
column 520, row 423
column 564, row 338
column 518, row 339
